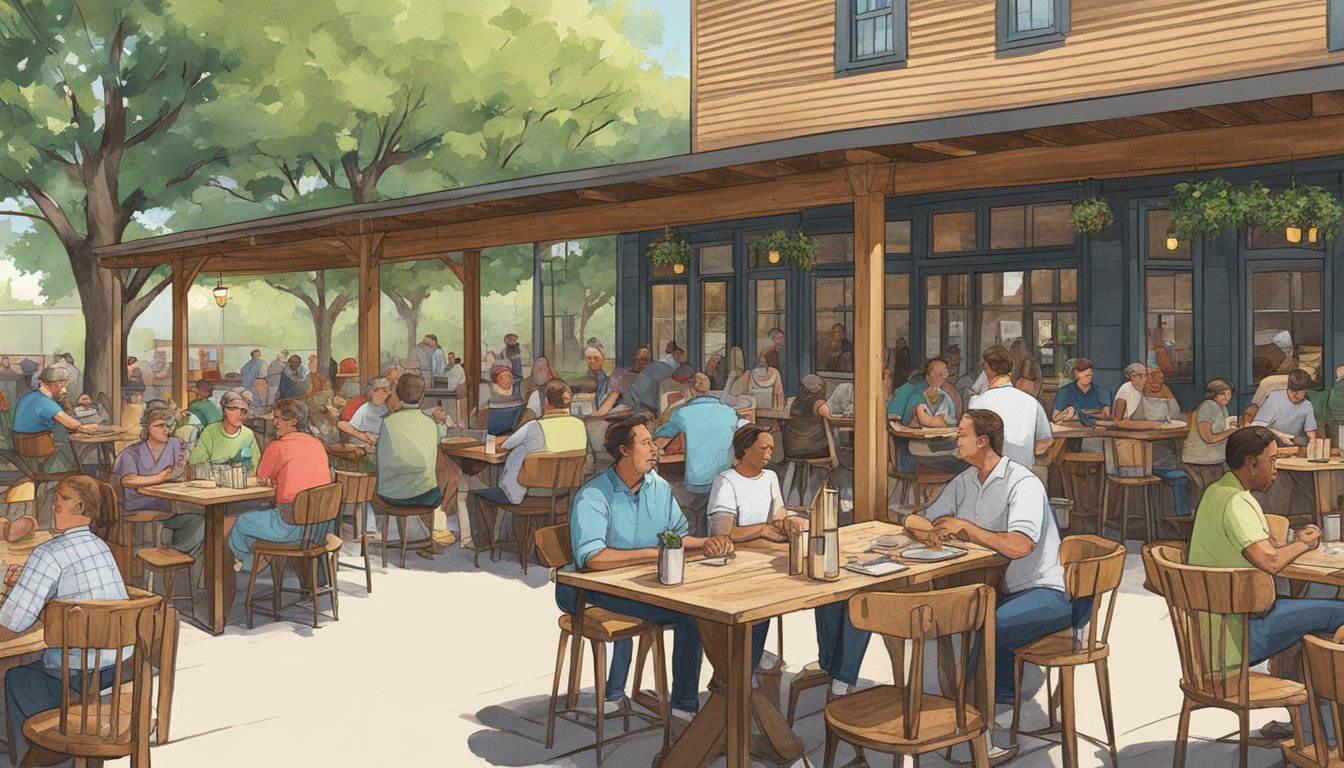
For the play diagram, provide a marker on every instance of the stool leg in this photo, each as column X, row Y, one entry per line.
column 277, row 581
column 362, row 522
column 312, row 584
column 386, row 520
column 660, row 686
column 168, row 584
column 600, row 690
column 401, row 531
column 555, row 688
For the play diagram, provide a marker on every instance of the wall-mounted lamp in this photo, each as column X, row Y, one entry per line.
column 1172, row 242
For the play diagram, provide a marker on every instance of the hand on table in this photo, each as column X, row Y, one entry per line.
column 718, row 546
column 164, row 476
column 266, row 481
column 949, row 526
column 87, row 429
column 791, row 523
column 775, row 533
column 1068, row 414
column 1309, row 535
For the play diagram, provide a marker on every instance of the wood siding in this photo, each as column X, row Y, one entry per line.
column 766, row 71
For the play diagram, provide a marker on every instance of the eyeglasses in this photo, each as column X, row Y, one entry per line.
column 159, row 425
column 239, row 408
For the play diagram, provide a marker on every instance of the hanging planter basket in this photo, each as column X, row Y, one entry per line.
column 1089, row 217
column 780, row 245
column 672, row 249
column 1304, row 210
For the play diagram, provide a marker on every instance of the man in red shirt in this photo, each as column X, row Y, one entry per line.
column 294, row 461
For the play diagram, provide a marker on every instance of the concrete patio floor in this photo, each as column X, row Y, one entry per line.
column 446, row 664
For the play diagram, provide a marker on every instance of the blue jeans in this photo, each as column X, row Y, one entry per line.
column 1283, row 626
column 1024, row 617
column 264, row 525
column 34, row 688
column 840, row 647
column 1179, row 482
column 687, row 650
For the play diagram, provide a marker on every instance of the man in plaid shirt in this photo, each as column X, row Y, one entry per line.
column 76, row 565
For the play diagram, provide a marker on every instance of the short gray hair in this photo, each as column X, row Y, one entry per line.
column 1134, row 369
column 155, row 410
column 234, row 398
column 376, row 382
column 54, row 373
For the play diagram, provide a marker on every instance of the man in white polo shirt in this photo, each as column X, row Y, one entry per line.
column 1000, row 504
column 1026, row 428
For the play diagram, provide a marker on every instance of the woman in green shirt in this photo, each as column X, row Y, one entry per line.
column 1202, row 453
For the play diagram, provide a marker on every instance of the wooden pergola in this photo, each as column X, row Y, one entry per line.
column 1249, row 121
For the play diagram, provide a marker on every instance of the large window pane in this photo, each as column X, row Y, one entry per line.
column 954, row 232
column 1287, row 326
column 669, row 316
column 1002, row 288
column 835, row 249
column 716, row 260
column 1051, row 224
column 945, row 320
column 1170, row 327
column 835, row 324
column 898, row 236
column 578, row 292
column 1032, row 15
column 1008, row 227
column 769, row 310
column 1158, row 223
column 714, row 322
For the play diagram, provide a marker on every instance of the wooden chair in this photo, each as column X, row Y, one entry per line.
column 144, row 525
column 599, row 628
column 903, row 719
column 802, row 467
column 314, row 510
column 560, row 474
column 166, row 562
column 402, row 514
column 92, row 727
column 346, row 456
column 33, row 450
column 1210, row 611
column 1093, row 568
column 1084, row 476
column 1133, row 464
column 1323, row 670
column 357, row 491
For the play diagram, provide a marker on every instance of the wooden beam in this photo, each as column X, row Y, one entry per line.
column 184, row 276
column 453, row 266
column 869, row 183
column 368, row 249
column 471, row 329
column 117, row 359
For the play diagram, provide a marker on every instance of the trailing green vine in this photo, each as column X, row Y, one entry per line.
column 672, row 249
column 799, row 248
column 1089, row 217
column 1303, row 207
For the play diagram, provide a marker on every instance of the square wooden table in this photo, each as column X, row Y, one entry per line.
column 213, row 500
column 726, row 601
column 1321, row 473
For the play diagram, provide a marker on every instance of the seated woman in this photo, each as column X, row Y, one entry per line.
column 505, row 404
column 158, row 458
column 1202, row 453
column 805, row 431
column 764, row 384
column 1155, row 408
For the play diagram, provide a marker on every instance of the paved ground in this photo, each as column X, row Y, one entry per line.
column 449, row 665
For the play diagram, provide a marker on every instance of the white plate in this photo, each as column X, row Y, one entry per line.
column 890, row 540
column 718, row 560
column 924, row 554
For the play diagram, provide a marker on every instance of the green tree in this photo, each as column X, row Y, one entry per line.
column 98, row 125
column 326, row 293
column 408, row 285
column 578, row 277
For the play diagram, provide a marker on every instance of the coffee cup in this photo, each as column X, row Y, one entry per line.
column 1330, row 527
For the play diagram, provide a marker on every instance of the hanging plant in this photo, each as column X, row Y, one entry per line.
column 1091, row 216
column 1304, row 208
column 799, row 248
column 672, row 249
column 1204, row 208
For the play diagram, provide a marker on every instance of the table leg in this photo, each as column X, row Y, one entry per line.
column 214, row 568
column 1323, row 488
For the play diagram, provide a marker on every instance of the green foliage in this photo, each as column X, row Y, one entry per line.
column 799, row 248
column 1202, row 208
column 1306, row 207
column 669, row 539
column 670, row 249
column 1089, row 217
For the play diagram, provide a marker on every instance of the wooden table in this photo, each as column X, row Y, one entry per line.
column 104, row 442
column 213, row 500
column 726, row 601
column 1321, row 473
column 1316, row 567
column 1112, row 432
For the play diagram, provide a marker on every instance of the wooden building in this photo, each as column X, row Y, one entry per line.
column 935, row 147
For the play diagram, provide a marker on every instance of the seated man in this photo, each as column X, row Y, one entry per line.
column 88, row 413
column 293, row 462
column 555, row 432
column 1231, row 532
column 411, row 470
column 228, row 440
column 615, row 521
column 642, row 394
column 1082, row 400
column 1287, row 413
column 1026, row 428
column 40, row 411
column 363, row 425
column 76, row 565
column 1269, row 382
column 1000, row 504
column 505, row 405
column 203, row 407
column 594, row 379
column 708, row 426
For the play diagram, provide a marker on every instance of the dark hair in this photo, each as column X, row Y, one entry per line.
column 432, row 336
column 999, row 360
column 554, row 392
column 1081, row 364
column 987, row 424
column 411, row 388
column 746, row 437
column 671, row 347
column 253, row 352
column 1298, row 380
column 1216, row 387
column 1261, row 367
column 1247, row 442
column 622, row 433
column 204, row 386
column 929, row 364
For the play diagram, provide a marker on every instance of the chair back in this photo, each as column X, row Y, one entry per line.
column 1323, row 668
column 163, row 658
column 1210, row 615
column 1173, row 549
column 1129, row 458
column 81, row 629
column 356, row 487
column 34, row 445
column 558, row 471
column 345, row 452
column 315, row 507
column 554, row 549
column 952, row 615
column 1093, row 568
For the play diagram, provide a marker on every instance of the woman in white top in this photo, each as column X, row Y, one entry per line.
column 764, row 384
column 1129, row 395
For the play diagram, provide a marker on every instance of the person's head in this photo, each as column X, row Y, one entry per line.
column 378, row 390
column 677, row 353
column 935, row 371
column 814, row 384
column 156, row 423
column 256, row 354
column 511, row 346
column 953, row 355
column 69, row 358
column 594, row 358
column 1137, row 375
column 55, row 380
column 84, row 399
column 643, row 356
column 290, row 415
column 753, row 446
column 541, row 370
column 295, row 362
column 1251, row 455
column 234, row 406
column 1156, row 385
column 451, row 357
column 557, row 395
column 82, row 500
column 776, row 338
column 630, row 443
column 204, row 388
column 1083, row 371
column 1261, row 367
column 430, row 340
column 135, row 397
column 998, row 361
column 838, row 331
column 979, row 430
column 1219, row 391
column 1299, row 381
column 411, row 388
column 699, row 385
column 130, row 361
column 502, row 375
column 392, row 374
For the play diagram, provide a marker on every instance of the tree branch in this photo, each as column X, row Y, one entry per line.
column 134, row 306
column 56, row 217
column 36, row 216
column 297, row 293
column 163, row 122
column 191, row 170
column 231, row 191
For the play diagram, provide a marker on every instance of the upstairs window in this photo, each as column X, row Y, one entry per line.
column 870, row 34
column 1030, row 23
column 1335, row 33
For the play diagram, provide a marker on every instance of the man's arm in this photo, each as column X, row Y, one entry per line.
column 1271, row 559
column 73, row 424
column 1010, row 544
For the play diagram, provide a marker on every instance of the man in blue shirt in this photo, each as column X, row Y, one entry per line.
column 615, row 521
column 251, row 371
column 40, row 411
column 1082, row 400
column 709, row 426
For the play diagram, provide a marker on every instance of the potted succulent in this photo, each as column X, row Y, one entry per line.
column 1304, row 208
column 671, row 249
column 671, row 558
column 799, row 248
column 1089, row 217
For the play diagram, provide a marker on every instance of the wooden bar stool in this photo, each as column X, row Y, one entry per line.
column 1132, row 461
column 1084, row 484
column 389, row 511
column 357, row 491
column 314, row 509
column 166, row 562
column 560, row 475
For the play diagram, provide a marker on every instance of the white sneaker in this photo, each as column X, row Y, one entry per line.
column 683, row 715
column 613, row 706
column 839, row 688
column 812, row 666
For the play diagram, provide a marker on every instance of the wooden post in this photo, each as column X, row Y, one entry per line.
column 870, row 183
column 118, row 356
column 184, row 276
column 471, row 327
column 369, row 248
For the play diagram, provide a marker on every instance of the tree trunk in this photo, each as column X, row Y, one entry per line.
column 408, row 309
column 323, row 322
column 100, row 299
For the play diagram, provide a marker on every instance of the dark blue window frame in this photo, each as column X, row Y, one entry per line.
column 1335, row 26
column 847, row 18
column 1010, row 39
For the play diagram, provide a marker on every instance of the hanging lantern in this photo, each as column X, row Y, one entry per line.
column 678, row 268
column 1313, row 235
column 1172, row 242
column 1294, row 234
column 221, row 292
column 773, row 257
